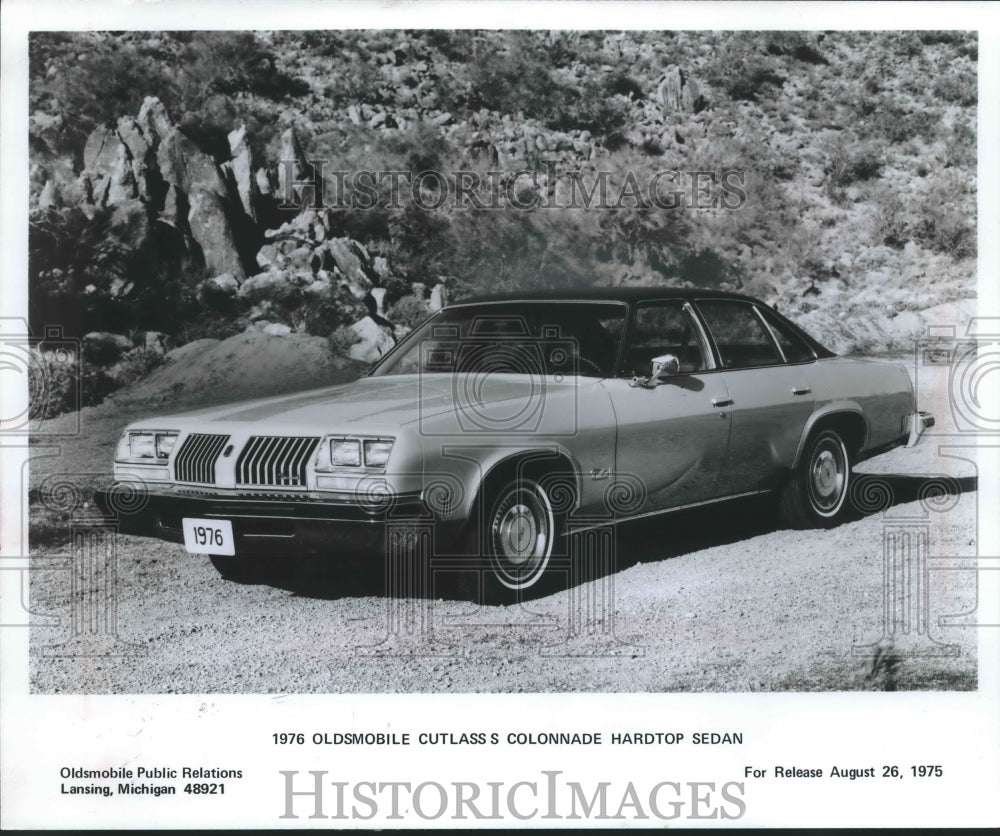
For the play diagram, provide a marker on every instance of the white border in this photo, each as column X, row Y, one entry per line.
column 39, row 733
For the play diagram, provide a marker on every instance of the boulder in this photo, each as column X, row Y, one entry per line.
column 140, row 153
column 241, row 166
column 50, row 197
column 378, row 294
column 156, row 341
column 188, row 169
column 153, row 120
column 219, row 290
column 277, row 329
column 439, row 298
column 373, row 340
column 346, row 256
column 103, row 348
column 291, row 161
column 210, row 229
column 670, row 90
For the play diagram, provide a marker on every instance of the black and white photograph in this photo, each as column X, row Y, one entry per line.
column 562, row 391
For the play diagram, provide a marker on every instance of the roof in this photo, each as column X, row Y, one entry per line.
column 608, row 294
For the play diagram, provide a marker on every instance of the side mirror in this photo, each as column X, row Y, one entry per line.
column 660, row 368
column 664, row 366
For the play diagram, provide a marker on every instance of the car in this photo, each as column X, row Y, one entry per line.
column 502, row 426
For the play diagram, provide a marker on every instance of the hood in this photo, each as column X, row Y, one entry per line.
column 387, row 400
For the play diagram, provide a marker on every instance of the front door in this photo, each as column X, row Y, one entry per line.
column 672, row 436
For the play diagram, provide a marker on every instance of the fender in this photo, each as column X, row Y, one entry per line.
column 825, row 411
column 473, row 464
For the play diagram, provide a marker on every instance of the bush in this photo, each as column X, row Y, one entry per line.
column 409, row 312
column 340, row 340
column 135, row 365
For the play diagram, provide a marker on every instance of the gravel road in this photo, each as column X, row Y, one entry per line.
column 718, row 600
column 771, row 610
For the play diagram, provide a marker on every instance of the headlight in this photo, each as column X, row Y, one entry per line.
column 345, row 452
column 377, row 452
column 353, row 452
column 143, row 447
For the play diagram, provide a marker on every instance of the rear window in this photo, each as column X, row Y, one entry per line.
column 740, row 336
column 792, row 345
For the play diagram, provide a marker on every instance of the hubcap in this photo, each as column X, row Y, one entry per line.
column 517, row 533
column 827, row 475
column 521, row 535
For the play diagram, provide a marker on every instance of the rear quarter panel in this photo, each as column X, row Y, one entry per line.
column 882, row 391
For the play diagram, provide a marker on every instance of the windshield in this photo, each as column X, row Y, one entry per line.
column 550, row 338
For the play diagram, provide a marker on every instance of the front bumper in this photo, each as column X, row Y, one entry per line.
column 296, row 525
column 919, row 421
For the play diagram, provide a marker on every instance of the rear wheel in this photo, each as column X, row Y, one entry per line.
column 816, row 493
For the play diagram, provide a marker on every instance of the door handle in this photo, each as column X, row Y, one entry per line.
column 801, row 390
column 721, row 402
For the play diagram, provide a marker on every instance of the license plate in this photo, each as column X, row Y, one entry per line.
column 208, row 536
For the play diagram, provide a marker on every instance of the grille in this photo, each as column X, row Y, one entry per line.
column 195, row 461
column 275, row 460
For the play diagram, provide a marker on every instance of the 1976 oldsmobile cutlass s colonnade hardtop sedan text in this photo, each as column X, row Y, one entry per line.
column 499, row 425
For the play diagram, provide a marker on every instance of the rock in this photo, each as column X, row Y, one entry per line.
column 291, row 161
column 354, row 114
column 378, row 294
column 156, row 341
column 670, row 90
column 380, row 267
column 210, row 229
column 264, row 184
column 439, row 298
column 50, row 197
column 373, row 340
column 346, row 257
column 442, row 119
column 140, row 154
column 277, row 329
column 153, row 120
column 184, row 166
column 241, row 166
column 268, row 255
column 263, row 286
column 219, row 290
column 175, row 208
column 102, row 347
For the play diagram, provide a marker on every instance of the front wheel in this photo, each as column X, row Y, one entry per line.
column 816, row 493
column 516, row 542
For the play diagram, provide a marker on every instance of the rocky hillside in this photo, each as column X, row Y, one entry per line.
column 168, row 201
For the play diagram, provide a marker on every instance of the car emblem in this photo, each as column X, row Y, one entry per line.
column 598, row 473
column 228, row 451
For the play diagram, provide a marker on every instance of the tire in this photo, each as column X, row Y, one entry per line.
column 815, row 495
column 246, row 568
column 517, row 545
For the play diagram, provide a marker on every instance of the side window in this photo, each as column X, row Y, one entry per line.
column 665, row 328
column 741, row 337
column 792, row 346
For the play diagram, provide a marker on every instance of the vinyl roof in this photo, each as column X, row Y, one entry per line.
column 608, row 294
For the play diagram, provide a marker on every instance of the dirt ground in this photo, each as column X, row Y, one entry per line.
column 685, row 604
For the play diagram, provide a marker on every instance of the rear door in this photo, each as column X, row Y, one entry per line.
column 768, row 371
column 672, row 438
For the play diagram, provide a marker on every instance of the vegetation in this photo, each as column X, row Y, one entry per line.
column 853, row 147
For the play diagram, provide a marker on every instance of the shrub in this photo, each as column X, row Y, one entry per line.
column 340, row 340
column 409, row 312
column 135, row 365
